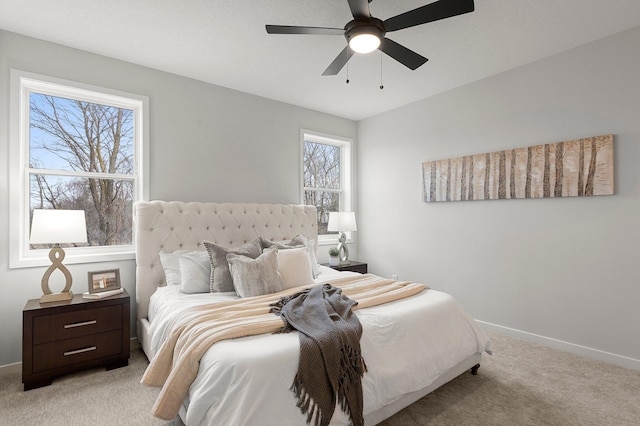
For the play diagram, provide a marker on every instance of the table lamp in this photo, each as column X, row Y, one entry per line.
column 342, row 222
column 57, row 227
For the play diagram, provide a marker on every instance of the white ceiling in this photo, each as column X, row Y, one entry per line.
column 224, row 42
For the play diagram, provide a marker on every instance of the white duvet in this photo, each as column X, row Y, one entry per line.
column 406, row 344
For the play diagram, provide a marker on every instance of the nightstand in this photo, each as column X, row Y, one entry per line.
column 64, row 337
column 351, row 265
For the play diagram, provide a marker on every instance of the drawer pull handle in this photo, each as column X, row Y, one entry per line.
column 79, row 351
column 80, row 324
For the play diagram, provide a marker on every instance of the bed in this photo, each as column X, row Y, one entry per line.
column 411, row 346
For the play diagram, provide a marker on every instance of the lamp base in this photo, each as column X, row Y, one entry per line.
column 343, row 249
column 56, row 297
column 56, row 255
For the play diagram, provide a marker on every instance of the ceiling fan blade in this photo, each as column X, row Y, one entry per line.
column 406, row 57
column 431, row 12
column 288, row 29
column 339, row 62
column 360, row 9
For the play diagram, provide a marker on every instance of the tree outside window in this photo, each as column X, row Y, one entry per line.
column 325, row 176
column 78, row 147
column 81, row 157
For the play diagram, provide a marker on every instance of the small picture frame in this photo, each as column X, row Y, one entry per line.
column 100, row 281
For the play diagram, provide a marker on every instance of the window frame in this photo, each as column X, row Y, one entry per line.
column 22, row 84
column 346, row 175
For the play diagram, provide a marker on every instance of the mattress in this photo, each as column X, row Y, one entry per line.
column 407, row 345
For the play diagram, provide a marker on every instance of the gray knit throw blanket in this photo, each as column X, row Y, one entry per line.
column 331, row 365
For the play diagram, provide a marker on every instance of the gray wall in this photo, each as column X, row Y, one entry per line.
column 563, row 272
column 207, row 143
column 560, row 271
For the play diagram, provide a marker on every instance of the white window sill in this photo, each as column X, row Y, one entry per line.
column 38, row 258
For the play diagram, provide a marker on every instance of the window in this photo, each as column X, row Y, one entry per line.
column 75, row 147
column 326, row 174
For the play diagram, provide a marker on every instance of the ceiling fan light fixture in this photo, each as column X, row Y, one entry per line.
column 366, row 33
column 364, row 43
column 364, row 37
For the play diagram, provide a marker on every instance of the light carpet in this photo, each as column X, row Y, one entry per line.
column 521, row 384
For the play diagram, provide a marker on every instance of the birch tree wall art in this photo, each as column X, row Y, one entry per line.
column 576, row 168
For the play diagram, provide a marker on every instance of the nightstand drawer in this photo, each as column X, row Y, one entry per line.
column 62, row 337
column 49, row 328
column 359, row 268
column 351, row 266
column 72, row 351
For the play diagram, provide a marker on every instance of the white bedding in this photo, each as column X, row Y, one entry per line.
column 246, row 381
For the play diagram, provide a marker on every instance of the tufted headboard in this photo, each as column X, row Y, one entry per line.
column 175, row 225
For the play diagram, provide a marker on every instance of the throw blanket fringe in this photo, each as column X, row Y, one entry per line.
column 330, row 364
column 175, row 366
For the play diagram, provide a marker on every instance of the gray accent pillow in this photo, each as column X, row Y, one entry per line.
column 220, row 279
column 297, row 241
column 255, row 277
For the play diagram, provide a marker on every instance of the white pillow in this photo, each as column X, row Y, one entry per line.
column 297, row 241
column 195, row 272
column 294, row 267
column 171, row 266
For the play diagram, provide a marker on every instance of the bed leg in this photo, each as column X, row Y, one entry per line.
column 474, row 369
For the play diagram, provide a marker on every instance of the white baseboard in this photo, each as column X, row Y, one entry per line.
column 607, row 357
column 597, row 354
column 5, row 370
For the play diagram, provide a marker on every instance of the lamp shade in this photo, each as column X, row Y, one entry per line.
column 53, row 226
column 342, row 222
column 364, row 43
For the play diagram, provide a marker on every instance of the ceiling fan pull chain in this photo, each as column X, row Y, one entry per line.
column 347, row 53
column 381, row 86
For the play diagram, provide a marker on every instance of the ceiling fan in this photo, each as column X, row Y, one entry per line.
column 366, row 33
